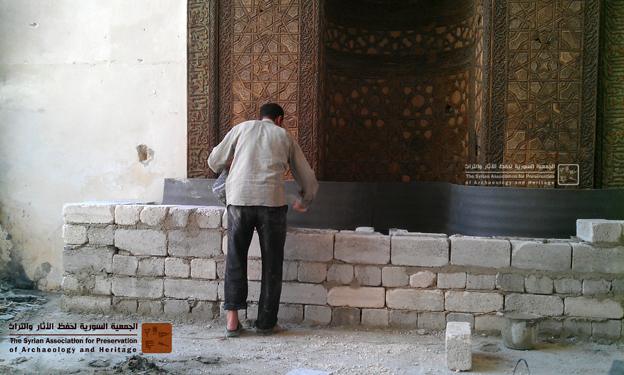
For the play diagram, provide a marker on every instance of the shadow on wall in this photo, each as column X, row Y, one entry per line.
column 11, row 268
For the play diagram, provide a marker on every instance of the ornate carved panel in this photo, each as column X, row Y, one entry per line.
column 611, row 97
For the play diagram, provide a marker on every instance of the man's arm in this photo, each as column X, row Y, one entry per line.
column 303, row 174
column 223, row 152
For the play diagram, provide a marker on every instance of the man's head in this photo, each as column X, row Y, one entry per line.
column 273, row 112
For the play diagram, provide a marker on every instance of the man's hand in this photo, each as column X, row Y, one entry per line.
column 299, row 207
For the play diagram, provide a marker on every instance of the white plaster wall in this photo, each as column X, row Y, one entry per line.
column 82, row 83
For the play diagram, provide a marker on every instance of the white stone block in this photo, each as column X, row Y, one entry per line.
column 208, row 217
column 74, row 234
column 101, row 235
column 89, row 304
column 317, row 314
column 479, row 251
column 368, row 275
column 125, row 265
column 538, row 284
column 203, row 269
column 599, row 230
column 141, row 241
column 178, row 216
column 88, row 259
column 188, row 288
column 177, row 267
column 89, row 213
column 475, row 302
column 481, row 282
column 394, row 276
column 204, row 243
column 309, row 294
column 312, row 272
column 453, row 280
column 340, row 273
column 422, row 279
column 593, row 308
column 371, row 297
column 534, row 304
column 362, row 248
column 128, row 214
column 151, row 266
column 568, row 286
column 102, row 285
column 313, row 245
column 413, row 299
column 552, row 256
column 458, row 344
column 153, row 215
column 588, row 258
column 419, row 251
column 137, row 287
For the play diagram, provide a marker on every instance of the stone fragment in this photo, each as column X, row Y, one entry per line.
column 371, row 297
column 375, row 317
column 340, row 273
column 419, row 251
column 538, row 284
column 74, row 234
column 177, row 267
column 480, row 282
column 534, row 304
column 317, row 314
column 422, row 279
column 137, row 287
column 203, row 269
column 593, row 308
column 477, row 302
column 456, row 280
column 89, row 213
column 127, row 214
column 394, row 276
column 534, row 255
column 153, row 215
column 413, row 299
column 599, row 230
column 141, row 241
column 362, row 248
column 458, row 345
column 189, row 288
column 203, row 243
column 479, row 251
column 368, row 275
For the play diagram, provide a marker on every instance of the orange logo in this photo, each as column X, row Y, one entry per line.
column 156, row 337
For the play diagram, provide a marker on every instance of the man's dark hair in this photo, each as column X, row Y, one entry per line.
column 271, row 110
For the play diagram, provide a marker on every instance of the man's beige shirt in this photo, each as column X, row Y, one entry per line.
column 262, row 152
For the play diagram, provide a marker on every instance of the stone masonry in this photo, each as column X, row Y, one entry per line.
column 164, row 259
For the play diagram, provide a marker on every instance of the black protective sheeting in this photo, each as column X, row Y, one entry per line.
column 434, row 207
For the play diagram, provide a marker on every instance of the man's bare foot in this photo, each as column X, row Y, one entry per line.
column 232, row 320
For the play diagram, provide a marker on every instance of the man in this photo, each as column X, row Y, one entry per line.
column 260, row 152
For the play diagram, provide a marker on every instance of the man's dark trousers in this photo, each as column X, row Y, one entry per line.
column 270, row 223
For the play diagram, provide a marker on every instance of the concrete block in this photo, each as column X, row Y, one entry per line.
column 150, row 308
column 394, row 276
column 308, row 294
column 567, row 286
column 176, row 308
column 618, row 286
column 125, row 305
column 151, row 266
column 368, row 275
column 588, row 258
column 609, row 329
column 599, row 230
column 461, row 317
column 411, row 299
column 477, row 302
column 137, row 287
column 88, row 304
column 490, row 323
column 312, row 245
column 480, row 282
column 188, row 288
column 141, row 241
column 577, row 328
column 371, row 297
column 125, row 265
column 128, row 214
column 534, row 304
column 510, row 282
column 553, row 256
column 101, row 235
column 480, row 252
column 178, row 216
column 340, row 273
column 419, row 251
column 362, row 248
column 89, row 213
column 422, row 279
column 203, row 243
column 458, row 345
column 593, row 308
column 74, row 234
column 177, row 267
column 204, row 310
column 153, row 215
column 538, row 284
column 290, row 313
column 312, row 272
column 317, row 314
column 345, row 316
column 208, row 217
column 88, row 259
column 375, row 317
column 403, row 319
column 431, row 320
column 455, row 280
column 591, row 287
column 203, row 269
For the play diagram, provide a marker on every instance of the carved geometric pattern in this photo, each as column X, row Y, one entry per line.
column 611, row 96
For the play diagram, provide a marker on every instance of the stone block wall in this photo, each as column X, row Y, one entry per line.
column 169, row 260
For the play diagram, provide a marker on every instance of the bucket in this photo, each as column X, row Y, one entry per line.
column 520, row 330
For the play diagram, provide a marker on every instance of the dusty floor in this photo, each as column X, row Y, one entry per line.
column 201, row 348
